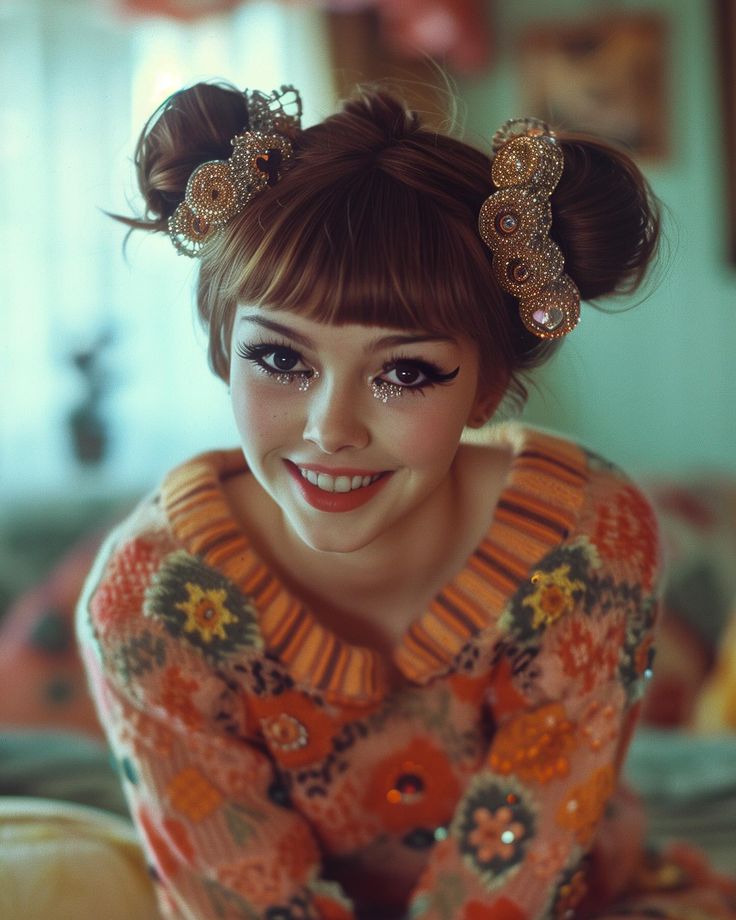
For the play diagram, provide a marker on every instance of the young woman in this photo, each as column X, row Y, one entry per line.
column 361, row 667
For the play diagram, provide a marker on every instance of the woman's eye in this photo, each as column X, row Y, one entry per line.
column 405, row 374
column 282, row 360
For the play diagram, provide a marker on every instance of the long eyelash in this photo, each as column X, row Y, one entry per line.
column 430, row 370
column 434, row 377
column 256, row 353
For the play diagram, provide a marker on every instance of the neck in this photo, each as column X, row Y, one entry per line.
column 400, row 560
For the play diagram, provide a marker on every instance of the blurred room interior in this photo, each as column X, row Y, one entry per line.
column 91, row 405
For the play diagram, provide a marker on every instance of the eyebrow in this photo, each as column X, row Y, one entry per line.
column 386, row 341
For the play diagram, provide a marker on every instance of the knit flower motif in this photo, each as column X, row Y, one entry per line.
column 198, row 604
column 495, row 834
column 297, row 729
column 590, row 649
column 559, row 585
column 415, row 787
column 534, row 745
column 554, row 595
column 626, row 531
column 494, row 826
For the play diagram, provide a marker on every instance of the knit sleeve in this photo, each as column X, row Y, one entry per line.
column 213, row 816
column 569, row 665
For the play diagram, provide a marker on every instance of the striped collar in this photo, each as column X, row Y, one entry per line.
column 537, row 510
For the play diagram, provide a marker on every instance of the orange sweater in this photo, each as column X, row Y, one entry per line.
column 271, row 772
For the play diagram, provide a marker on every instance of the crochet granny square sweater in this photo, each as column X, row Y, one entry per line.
column 271, row 771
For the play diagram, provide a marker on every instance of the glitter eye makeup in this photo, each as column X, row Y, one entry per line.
column 280, row 361
column 406, row 371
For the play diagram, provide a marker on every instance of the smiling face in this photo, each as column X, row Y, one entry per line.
column 351, row 430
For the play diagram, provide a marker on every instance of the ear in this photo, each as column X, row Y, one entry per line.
column 485, row 404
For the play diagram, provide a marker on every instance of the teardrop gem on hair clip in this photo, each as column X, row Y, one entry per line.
column 554, row 312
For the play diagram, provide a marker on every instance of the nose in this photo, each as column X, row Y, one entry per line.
column 335, row 420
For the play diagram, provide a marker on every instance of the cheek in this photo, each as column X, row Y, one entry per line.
column 428, row 440
column 260, row 409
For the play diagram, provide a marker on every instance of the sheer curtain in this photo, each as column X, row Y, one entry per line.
column 78, row 83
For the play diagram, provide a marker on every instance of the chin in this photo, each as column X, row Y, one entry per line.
column 333, row 543
column 332, row 536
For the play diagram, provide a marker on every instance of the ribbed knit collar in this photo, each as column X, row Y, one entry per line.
column 537, row 509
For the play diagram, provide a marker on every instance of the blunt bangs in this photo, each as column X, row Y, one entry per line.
column 366, row 249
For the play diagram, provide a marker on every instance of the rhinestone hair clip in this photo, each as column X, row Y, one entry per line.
column 514, row 223
column 220, row 189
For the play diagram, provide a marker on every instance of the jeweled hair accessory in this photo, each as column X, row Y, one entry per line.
column 220, row 189
column 514, row 223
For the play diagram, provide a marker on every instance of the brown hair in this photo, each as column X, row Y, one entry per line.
column 374, row 221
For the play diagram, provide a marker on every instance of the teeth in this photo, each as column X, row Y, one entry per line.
column 329, row 483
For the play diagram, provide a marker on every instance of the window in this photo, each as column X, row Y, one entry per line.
column 101, row 352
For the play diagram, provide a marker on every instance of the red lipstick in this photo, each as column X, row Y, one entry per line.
column 335, row 501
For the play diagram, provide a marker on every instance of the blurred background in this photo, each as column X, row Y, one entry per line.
column 103, row 374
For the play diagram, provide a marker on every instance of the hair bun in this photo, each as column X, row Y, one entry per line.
column 191, row 127
column 606, row 218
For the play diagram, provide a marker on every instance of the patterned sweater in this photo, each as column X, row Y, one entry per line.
column 273, row 774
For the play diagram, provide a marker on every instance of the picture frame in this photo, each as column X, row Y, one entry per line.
column 605, row 75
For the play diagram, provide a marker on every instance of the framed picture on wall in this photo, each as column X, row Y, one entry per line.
column 725, row 24
column 606, row 76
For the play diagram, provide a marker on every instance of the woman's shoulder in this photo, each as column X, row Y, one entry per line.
column 589, row 499
column 134, row 553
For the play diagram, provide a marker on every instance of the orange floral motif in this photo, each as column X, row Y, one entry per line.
column 192, row 795
column 590, row 650
column 414, row 787
column 176, row 697
column 297, row 730
column 496, row 834
column 583, row 807
column 553, row 596
column 534, row 745
column 626, row 530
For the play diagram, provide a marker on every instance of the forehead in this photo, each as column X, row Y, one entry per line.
column 310, row 332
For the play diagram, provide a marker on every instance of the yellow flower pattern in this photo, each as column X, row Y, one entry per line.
column 206, row 611
column 553, row 595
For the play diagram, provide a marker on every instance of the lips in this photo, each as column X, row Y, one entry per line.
column 336, row 491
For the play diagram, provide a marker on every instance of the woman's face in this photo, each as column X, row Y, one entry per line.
column 350, row 429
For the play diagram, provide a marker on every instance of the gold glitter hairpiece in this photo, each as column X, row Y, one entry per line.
column 220, row 189
column 514, row 223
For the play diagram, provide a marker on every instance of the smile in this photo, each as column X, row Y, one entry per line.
column 344, row 490
column 329, row 483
